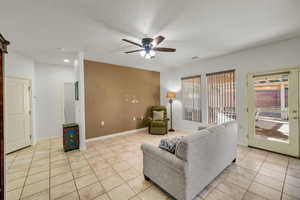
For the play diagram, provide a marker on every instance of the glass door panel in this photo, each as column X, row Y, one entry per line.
column 271, row 106
column 272, row 126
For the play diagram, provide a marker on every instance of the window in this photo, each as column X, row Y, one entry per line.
column 191, row 88
column 221, row 97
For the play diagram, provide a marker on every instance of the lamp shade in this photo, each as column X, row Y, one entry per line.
column 171, row 95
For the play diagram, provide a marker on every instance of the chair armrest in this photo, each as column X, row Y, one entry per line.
column 149, row 118
column 163, row 157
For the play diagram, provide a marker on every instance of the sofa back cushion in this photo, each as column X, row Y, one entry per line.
column 182, row 146
column 210, row 140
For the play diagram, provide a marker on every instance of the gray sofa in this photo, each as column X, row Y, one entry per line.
column 198, row 159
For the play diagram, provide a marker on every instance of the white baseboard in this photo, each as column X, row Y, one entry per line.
column 115, row 134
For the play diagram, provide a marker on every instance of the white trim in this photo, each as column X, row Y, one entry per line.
column 81, row 90
column 116, row 134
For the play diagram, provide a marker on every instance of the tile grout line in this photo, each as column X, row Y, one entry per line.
column 6, row 170
column 136, row 194
column 27, row 174
column 68, row 158
column 252, row 181
column 12, row 161
column 117, row 173
column 6, row 175
column 227, row 168
column 31, row 183
column 286, row 171
column 98, row 180
column 60, row 174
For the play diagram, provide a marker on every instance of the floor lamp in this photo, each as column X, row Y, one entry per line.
column 171, row 96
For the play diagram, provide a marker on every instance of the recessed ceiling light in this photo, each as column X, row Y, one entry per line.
column 66, row 60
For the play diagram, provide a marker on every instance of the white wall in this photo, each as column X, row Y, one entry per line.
column 50, row 81
column 19, row 66
column 277, row 55
column 69, row 102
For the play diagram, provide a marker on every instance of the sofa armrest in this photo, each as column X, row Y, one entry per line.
column 164, row 157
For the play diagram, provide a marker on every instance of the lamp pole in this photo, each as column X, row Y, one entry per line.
column 171, row 115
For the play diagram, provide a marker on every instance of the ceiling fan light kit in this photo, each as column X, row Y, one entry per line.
column 149, row 47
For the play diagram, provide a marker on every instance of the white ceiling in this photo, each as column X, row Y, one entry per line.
column 203, row 28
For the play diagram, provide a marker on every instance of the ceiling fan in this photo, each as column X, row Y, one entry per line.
column 149, row 47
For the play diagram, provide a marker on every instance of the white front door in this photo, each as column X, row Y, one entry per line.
column 17, row 114
column 273, row 104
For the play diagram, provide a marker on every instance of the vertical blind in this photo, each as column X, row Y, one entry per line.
column 191, row 91
column 221, row 97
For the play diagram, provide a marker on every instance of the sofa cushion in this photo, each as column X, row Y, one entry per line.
column 169, row 144
column 158, row 115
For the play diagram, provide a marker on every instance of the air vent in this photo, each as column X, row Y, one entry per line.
column 195, row 57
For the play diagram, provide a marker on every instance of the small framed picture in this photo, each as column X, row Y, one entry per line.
column 76, row 91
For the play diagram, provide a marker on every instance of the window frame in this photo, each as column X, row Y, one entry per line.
column 200, row 98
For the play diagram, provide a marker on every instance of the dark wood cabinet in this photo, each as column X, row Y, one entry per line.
column 3, row 50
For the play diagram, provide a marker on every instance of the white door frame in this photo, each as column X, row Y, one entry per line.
column 250, row 106
column 30, row 103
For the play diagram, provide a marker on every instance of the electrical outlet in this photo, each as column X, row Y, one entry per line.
column 102, row 123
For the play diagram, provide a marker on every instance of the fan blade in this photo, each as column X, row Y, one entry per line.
column 133, row 51
column 164, row 49
column 134, row 43
column 158, row 40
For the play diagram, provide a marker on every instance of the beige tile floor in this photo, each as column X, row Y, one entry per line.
column 111, row 169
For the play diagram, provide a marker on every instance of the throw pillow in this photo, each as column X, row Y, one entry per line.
column 169, row 144
column 158, row 115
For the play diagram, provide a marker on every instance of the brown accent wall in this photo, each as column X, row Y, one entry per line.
column 115, row 95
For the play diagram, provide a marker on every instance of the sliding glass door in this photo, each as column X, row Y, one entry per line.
column 273, row 111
